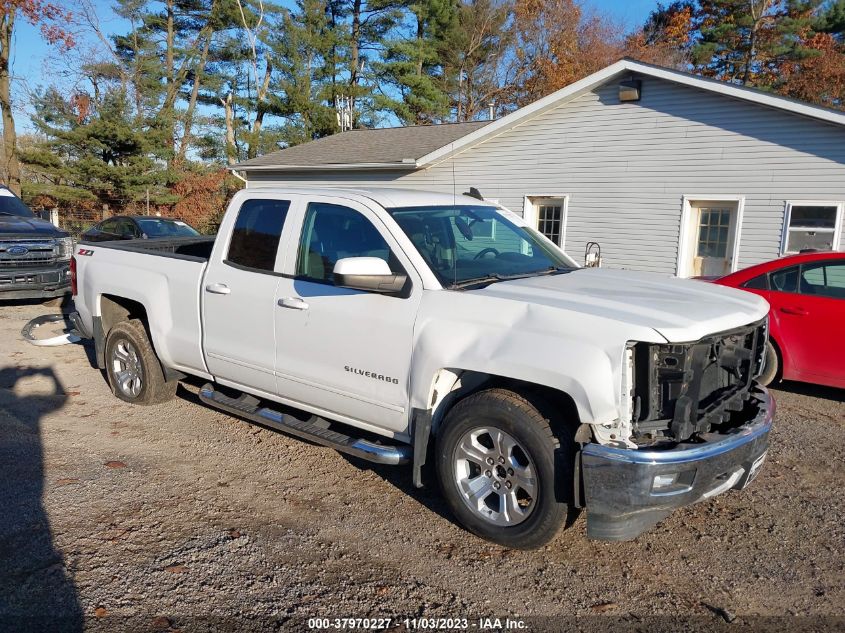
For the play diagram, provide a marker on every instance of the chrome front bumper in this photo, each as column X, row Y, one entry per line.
column 627, row 491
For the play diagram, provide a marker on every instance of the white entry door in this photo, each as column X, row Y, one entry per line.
column 714, row 235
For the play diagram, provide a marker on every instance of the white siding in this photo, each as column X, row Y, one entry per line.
column 626, row 168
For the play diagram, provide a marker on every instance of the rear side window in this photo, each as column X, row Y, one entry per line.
column 761, row 282
column 255, row 237
column 785, row 280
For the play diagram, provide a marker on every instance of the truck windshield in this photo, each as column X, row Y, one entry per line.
column 10, row 204
column 468, row 245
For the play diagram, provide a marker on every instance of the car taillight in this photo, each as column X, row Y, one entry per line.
column 73, row 276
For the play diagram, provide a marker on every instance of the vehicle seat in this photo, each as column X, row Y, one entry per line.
column 315, row 264
column 415, row 230
column 806, row 287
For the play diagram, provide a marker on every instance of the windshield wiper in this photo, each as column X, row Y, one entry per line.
column 494, row 277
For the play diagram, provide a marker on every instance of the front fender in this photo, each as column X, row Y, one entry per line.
column 563, row 349
column 586, row 373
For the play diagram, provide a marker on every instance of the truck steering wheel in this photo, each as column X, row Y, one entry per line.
column 484, row 251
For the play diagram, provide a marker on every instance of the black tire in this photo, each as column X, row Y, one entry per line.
column 771, row 372
column 551, row 455
column 128, row 339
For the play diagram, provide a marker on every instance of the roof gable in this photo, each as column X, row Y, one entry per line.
column 621, row 68
column 420, row 146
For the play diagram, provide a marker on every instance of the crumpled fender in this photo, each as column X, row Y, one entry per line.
column 564, row 350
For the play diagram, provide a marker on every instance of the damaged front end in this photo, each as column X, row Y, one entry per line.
column 683, row 389
column 700, row 424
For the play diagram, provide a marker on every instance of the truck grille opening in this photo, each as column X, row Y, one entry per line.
column 688, row 388
column 26, row 253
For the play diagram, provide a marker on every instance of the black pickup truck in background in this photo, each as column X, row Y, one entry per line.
column 34, row 254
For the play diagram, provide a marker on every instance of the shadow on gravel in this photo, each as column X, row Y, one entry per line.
column 400, row 478
column 65, row 302
column 36, row 592
column 814, row 391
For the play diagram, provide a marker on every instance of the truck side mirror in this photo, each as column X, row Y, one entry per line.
column 367, row 273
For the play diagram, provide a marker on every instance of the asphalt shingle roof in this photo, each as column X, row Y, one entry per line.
column 367, row 146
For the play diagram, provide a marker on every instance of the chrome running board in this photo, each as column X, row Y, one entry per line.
column 315, row 429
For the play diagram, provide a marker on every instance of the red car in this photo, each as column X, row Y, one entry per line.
column 807, row 318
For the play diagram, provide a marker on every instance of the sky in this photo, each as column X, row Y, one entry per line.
column 31, row 67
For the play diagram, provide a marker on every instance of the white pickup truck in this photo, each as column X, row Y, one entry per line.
column 405, row 327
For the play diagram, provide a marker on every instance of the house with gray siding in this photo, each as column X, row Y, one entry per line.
column 668, row 172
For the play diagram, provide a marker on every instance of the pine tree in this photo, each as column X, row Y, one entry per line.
column 240, row 74
column 161, row 61
column 308, row 59
column 94, row 153
column 473, row 55
column 666, row 37
column 412, row 68
column 832, row 20
column 819, row 75
column 748, row 41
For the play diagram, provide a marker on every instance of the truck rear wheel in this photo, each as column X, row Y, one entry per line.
column 501, row 466
column 132, row 367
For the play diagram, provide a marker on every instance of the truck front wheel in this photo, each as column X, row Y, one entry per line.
column 132, row 366
column 501, row 469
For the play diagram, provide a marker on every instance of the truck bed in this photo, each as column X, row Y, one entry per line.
column 162, row 275
column 189, row 248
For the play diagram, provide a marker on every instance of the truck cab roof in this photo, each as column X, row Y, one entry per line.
column 387, row 197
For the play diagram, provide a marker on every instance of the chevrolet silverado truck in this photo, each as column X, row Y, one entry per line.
column 34, row 254
column 406, row 327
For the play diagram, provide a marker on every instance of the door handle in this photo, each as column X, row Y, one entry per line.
column 294, row 303
column 218, row 289
column 795, row 311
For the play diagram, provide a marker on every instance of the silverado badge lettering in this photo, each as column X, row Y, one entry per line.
column 370, row 374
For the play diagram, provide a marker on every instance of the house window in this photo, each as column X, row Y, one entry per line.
column 713, row 226
column 550, row 219
column 812, row 225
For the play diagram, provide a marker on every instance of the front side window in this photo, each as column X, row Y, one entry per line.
column 464, row 244
column 811, row 227
column 126, row 229
column 823, row 279
column 256, row 234
column 332, row 232
column 110, row 226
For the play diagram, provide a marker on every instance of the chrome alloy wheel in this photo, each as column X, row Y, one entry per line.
column 126, row 367
column 495, row 476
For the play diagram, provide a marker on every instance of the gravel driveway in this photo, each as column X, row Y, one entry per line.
column 172, row 517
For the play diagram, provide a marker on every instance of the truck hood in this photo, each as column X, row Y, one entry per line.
column 12, row 226
column 680, row 310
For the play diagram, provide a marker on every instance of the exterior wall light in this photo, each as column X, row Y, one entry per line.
column 630, row 90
